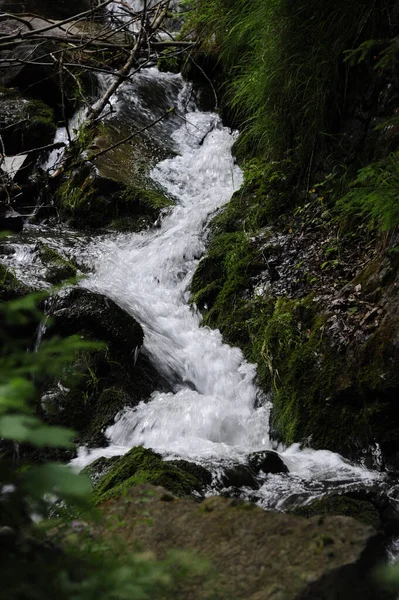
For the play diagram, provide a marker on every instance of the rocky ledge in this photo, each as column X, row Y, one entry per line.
column 256, row 555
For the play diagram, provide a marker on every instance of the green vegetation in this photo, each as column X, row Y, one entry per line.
column 284, row 62
column 373, row 194
column 20, row 411
column 326, row 393
column 294, row 74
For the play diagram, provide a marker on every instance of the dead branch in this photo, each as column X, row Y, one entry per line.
column 143, row 35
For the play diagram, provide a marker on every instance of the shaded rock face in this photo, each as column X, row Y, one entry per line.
column 265, row 462
column 254, row 555
column 25, row 123
column 10, row 220
column 81, row 310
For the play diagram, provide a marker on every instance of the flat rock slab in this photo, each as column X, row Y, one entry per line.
column 254, row 555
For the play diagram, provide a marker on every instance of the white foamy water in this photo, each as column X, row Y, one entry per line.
column 216, row 414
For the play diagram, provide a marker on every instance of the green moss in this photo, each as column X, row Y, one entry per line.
column 145, row 466
column 59, row 268
column 40, row 125
column 363, row 511
column 137, row 208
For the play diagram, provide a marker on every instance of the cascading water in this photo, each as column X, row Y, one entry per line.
column 215, row 415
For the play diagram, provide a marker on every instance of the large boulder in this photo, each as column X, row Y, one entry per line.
column 25, row 123
column 253, row 554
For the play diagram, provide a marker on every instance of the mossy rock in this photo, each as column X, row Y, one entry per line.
column 106, row 406
column 363, row 511
column 90, row 201
column 99, row 468
column 141, row 465
column 10, row 287
column 58, row 267
column 25, row 123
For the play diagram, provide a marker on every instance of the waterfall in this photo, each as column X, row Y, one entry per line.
column 215, row 414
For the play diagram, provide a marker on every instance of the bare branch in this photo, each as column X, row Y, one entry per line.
column 53, row 146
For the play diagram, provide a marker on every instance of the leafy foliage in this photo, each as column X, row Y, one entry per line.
column 21, row 372
column 373, row 194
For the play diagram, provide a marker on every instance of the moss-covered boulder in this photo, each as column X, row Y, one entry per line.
column 363, row 511
column 89, row 201
column 99, row 468
column 107, row 184
column 101, row 381
column 141, row 465
column 58, row 267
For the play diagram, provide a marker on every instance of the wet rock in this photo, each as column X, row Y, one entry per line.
column 254, row 554
column 99, row 468
column 80, row 310
column 58, row 267
column 267, row 461
column 101, row 381
column 239, row 476
column 102, row 195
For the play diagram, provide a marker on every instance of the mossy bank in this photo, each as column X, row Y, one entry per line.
column 302, row 270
